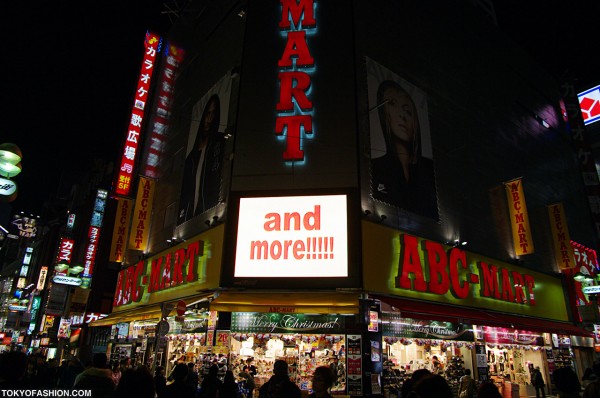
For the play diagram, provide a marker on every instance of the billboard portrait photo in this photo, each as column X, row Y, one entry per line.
column 202, row 185
column 402, row 173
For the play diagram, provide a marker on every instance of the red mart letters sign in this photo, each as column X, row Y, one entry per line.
column 294, row 107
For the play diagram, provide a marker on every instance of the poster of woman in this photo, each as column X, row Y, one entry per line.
column 402, row 173
column 202, row 175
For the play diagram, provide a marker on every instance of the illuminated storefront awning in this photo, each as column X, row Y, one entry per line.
column 425, row 310
column 146, row 313
column 294, row 303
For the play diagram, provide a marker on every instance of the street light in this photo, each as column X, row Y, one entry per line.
column 10, row 166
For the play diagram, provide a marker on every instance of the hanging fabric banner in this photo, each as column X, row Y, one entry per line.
column 519, row 219
column 563, row 250
column 120, row 230
column 140, row 226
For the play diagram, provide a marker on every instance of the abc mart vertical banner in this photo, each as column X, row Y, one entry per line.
column 563, row 249
column 519, row 218
column 140, row 226
column 120, row 230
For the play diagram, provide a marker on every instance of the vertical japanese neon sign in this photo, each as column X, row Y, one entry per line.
column 294, row 110
column 152, row 48
column 65, row 253
column 93, row 237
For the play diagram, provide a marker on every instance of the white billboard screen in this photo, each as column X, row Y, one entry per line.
column 292, row 237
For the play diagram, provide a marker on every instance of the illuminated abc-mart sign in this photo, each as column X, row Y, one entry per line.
column 293, row 236
column 589, row 102
column 66, row 280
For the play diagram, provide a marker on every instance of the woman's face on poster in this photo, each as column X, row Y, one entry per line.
column 209, row 116
column 401, row 115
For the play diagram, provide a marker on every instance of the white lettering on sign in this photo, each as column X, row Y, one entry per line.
column 297, row 236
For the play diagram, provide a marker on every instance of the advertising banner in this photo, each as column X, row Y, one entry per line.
column 519, row 218
column 201, row 186
column 140, row 225
column 120, row 230
column 396, row 326
column 65, row 250
column 354, row 359
column 255, row 322
column 563, row 250
column 41, row 283
column 482, row 366
column 586, row 263
column 93, row 239
column 162, row 110
column 401, row 169
column 64, row 329
column 501, row 336
column 293, row 236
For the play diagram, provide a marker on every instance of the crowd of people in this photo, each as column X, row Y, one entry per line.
column 121, row 380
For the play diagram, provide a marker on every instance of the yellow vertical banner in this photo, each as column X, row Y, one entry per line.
column 563, row 249
column 519, row 218
column 140, row 225
column 117, row 247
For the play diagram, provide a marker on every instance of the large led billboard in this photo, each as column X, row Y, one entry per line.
column 292, row 237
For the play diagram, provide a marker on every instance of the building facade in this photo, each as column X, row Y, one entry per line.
column 363, row 185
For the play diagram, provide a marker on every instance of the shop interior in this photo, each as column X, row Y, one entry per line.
column 513, row 363
column 402, row 356
column 303, row 353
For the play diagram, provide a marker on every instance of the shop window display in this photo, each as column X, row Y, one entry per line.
column 186, row 348
column 303, row 353
column 513, row 363
column 403, row 356
column 120, row 352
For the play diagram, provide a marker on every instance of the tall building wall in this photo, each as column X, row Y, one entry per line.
column 482, row 100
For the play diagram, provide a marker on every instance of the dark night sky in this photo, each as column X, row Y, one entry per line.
column 68, row 78
column 69, row 71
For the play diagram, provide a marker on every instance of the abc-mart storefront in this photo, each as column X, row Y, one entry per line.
column 318, row 286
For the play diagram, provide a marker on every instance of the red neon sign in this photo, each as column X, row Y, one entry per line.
column 151, row 44
column 296, row 17
column 65, row 251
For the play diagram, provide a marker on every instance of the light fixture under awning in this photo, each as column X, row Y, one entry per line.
column 146, row 313
column 278, row 302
